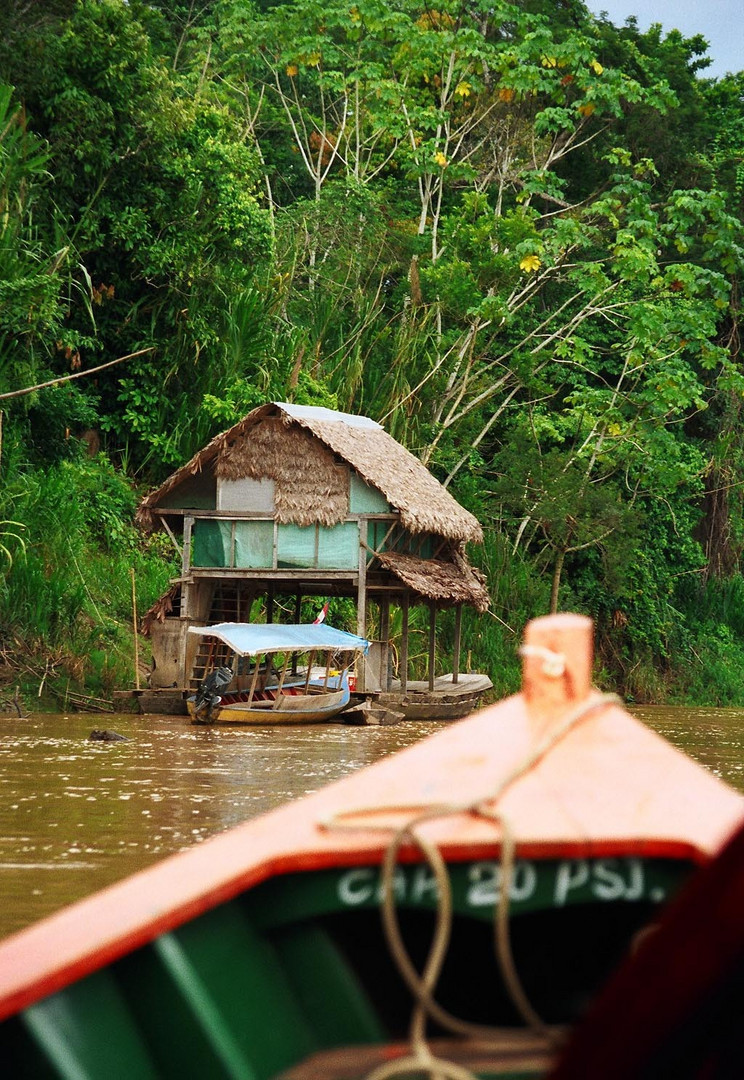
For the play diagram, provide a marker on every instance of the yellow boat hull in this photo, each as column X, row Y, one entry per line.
column 311, row 708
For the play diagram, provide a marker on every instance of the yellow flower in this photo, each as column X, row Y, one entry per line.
column 596, row 67
column 530, row 263
column 440, row 159
column 291, row 70
column 463, row 89
column 588, row 109
column 506, row 94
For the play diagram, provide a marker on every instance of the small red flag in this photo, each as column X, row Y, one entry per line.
column 322, row 613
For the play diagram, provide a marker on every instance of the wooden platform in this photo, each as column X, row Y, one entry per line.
column 447, row 701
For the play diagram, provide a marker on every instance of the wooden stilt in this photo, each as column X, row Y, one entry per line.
column 136, row 633
column 458, row 638
column 297, row 614
column 403, row 673
column 385, row 639
column 362, row 599
column 432, row 643
column 186, row 647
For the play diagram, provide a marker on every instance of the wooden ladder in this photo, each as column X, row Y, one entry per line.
column 230, row 603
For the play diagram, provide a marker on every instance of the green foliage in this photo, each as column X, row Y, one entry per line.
column 510, row 232
column 11, row 538
column 31, row 271
column 155, row 188
column 67, row 594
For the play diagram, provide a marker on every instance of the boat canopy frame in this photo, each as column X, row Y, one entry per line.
column 254, row 639
column 268, row 639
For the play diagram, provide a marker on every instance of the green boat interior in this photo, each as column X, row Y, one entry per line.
column 294, row 978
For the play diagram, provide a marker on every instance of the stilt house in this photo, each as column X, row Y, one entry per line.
column 300, row 502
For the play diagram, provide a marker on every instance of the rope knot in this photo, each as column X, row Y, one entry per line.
column 554, row 664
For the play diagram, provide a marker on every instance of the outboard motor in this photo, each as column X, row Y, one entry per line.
column 208, row 696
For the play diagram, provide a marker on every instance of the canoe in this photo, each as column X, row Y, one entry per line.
column 310, row 703
column 452, row 908
column 235, row 690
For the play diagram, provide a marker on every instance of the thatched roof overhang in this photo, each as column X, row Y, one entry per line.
column 423, row 503
column 444, row 583
column 161, row 609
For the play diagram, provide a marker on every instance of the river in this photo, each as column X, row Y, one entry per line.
column 76, row 815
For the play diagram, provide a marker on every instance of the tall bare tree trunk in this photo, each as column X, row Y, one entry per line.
column 557, row 571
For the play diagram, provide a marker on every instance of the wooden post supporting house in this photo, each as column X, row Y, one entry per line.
column 385, row 674
column 458, row 639
column 403, row 673
column 432, row 643
column 186, row 645
column 362, row 598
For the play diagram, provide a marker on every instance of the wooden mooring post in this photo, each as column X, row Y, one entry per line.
column 557, row 663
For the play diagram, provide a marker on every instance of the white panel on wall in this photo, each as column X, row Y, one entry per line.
column 246, row 495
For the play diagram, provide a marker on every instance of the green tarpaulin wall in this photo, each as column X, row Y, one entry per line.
column 303, row 547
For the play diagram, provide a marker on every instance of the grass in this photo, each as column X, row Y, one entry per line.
column 66, row 599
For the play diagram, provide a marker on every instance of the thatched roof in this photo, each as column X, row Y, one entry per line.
column 268, row 439
column 318, row 492
column 448, row 583
column 161, row 609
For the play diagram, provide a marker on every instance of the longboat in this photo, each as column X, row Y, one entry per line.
column 446, row 912
column 242, row 683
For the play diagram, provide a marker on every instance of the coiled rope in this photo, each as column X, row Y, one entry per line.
column 421, row 1059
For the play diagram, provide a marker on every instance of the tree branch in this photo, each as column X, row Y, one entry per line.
column 77, row 375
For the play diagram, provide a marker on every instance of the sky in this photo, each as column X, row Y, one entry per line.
column 721, row 22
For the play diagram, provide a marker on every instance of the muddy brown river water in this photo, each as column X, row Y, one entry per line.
column 77, row 815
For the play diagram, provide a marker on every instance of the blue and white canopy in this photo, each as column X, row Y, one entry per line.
column 254, row 639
